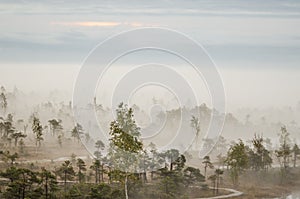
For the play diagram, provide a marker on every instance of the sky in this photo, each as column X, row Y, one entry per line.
column 255, row 44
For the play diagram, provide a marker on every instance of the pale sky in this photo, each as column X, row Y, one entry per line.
column 255, row 44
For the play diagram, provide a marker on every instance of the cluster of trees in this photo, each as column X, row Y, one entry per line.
column 126, row 168
column 26, row 183
column 241, row 157
column 9, row 134
column 121, row 173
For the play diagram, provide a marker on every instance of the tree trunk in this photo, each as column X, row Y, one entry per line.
column 19, row 191
column 145, row 177
column 125, row 184
column 65, row 182
column 46, row 187
column 109, row 177
column 96, row 176
column 23, row 188
column 23, row 193
column 36, row 147
column 102, row 173
column 152, row 174
column 196, row 141
column 79, row 176
column 217, row 191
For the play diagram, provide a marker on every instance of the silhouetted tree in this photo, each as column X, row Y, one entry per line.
column 296, row 152
column 195, row 124
column 284, row 151
column 207, row 164
column 81, row 167
column 77, row 131
column 16, row 136
column 37, row 129
column 3, row 103
column 66, row 172
column 49, row 183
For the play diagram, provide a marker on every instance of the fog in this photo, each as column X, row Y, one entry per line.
column 257, row 100
column 199, row 99
column 244, row 88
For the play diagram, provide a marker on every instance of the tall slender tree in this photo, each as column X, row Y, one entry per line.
column 284, row 151
column 100, row 146
column 66, row 172
column 55, row 126
column 37, row 129
column 296, row 152
column 237, row 160
column 81, row 168
column 171, row 155
column 195, row 124
column 125, row 142
column 76, row 132
column 218, row 173
column 3, row 103
column 207, row 164
column 96, row 167
column 49, row 183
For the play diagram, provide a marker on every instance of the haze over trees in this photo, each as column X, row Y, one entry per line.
column 129, row 167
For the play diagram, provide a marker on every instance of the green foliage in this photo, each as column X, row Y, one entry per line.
column 171, row 155
column 171, row 184
column 81, row 168
column 296, row 152
column 101, row 191
column 96, row 167
column 284, row 150
column 192, row 176
column 7, row 156
column 125, row 143
column 6, row 129
column 259, row 157
column 37, row 129
column 49, row 183
column 155, row 159
column 237, row 160
column 55, row 126
column 16, row 136
column 207, row 164
column 24, row 183
column 66, row 172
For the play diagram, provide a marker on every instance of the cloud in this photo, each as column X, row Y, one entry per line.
column 99, row 24
column 272, row 8
column 88, row 23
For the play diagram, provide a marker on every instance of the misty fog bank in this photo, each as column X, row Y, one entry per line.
column 244, row 88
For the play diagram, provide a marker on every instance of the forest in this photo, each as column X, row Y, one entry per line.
column 43, row 155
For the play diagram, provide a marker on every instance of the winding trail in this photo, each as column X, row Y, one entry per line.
column 234, row 193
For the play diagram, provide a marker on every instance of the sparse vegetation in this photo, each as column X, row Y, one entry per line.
column 127, row 167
